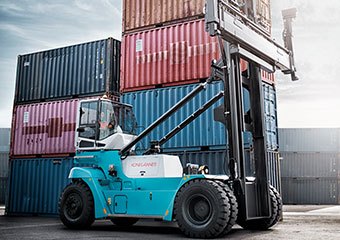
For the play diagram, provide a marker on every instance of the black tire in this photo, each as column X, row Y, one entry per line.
column 76, row 206
column 279, row 206
column 202, row 209
column 233, row 208
column 266, row 223
column 124, row 221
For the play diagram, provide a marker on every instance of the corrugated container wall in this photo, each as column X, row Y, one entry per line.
column 173, row 55
column 269, row 95
column 4, row 139
column 310, row 191
column 80, row 70
column 309, row 139
column 263, row 14
column 36, row 185
column 139, row 14
column 144, row 14
column 310, row 165
column 204, row 131
column 215, row 160
column 4, row 159
column 3, row 189
column 44, row 128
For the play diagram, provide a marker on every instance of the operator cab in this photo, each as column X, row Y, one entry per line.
column 104, row 124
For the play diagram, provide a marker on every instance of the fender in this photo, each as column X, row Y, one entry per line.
column 90, row 177
column 82, row 172
column 170, row 212
column 185, row 179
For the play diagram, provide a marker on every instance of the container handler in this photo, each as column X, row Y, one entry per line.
column 116, row 184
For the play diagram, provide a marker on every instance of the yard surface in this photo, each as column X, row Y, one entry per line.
column 300, row 222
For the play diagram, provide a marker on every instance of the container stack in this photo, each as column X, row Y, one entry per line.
column 166, row 53
column 49, row 85
column 310, row 165
column 4, row 158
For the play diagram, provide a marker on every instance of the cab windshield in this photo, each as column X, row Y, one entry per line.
column 101, row 119
column 107, row 120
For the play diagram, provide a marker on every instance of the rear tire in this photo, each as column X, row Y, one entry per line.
column 76, row 206
column 266, row 223
column 124, row 221
column 202, row 209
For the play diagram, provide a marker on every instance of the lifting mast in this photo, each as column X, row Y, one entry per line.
column 240, row 38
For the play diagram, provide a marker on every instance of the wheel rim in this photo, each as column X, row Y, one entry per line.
column 73, row 206
column 199, row 209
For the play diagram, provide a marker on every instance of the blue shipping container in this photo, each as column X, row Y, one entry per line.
column 269, row 95
column 204, row 131
column 36, row 185
column 215, row 160
column 80, row 70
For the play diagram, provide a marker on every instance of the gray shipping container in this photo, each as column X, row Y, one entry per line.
column 309, row 139
column 310, row 191
column 80, row 70
column 3, row 189
column 307, row 164
column 4, row 139
column 4, row 158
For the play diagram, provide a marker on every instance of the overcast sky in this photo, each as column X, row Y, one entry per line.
column 314, row 101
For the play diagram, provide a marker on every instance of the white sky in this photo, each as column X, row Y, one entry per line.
column 314, row 101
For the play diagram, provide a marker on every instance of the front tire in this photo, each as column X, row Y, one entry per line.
column 202, row 209
column 76, row 206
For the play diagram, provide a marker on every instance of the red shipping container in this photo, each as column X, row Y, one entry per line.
column 44, row 128
column 173, row 55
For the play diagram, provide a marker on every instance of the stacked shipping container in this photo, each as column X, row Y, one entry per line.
column 4, row 159
column 165, row 54
column 49, row 85
column 80, row 70
column 310, row 165
column 146, row 14
column 204, row 132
